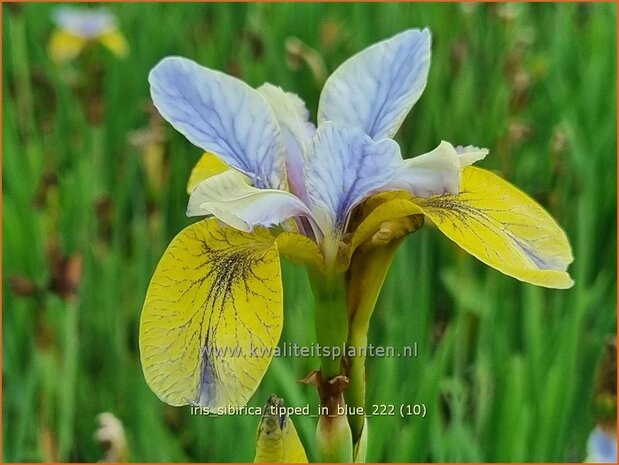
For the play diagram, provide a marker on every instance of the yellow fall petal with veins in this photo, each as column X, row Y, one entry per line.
column 115, row 42
column 504, row 228
column 212, row 316
column 64, row 46
column 277, row 440
column 208, row 165
column 489, row 218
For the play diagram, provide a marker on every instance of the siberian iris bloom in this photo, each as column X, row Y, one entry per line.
column 337, row 197
column 78, row 28
column 602, row 446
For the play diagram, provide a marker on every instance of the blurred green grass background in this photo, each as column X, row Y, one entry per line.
column 505, row 369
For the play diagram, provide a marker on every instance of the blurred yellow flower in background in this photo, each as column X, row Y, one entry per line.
column 78, row 28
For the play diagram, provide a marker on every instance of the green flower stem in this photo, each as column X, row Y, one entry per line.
column 333, row 435
column 331, row 318
column 367, row 275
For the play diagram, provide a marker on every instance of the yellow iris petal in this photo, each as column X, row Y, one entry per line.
column 115, row 42
column 504, row 228
column 293, row 449
column 489, row 218
column 64, row 46
column 384, row 217
column 212, row 316
column 299, row 249
column 208, row 165
column 277, row 440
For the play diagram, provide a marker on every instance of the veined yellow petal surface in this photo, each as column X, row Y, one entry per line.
column 115, row 42
column 64, row 46
column 504, row 228
column 277, row 440
column 208, row 165
column 212, row 316
column 299, row 249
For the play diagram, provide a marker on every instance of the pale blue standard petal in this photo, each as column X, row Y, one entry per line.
column 470, row 154
column 222, row 115
column 229, row 198
column 84, row 22
column 437, row 172
column 375, row 89
column 344, row 166
column 292, row 116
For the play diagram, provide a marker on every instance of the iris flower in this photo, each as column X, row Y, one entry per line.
column 602, row 446
column 337, row 197
column 78, row 28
